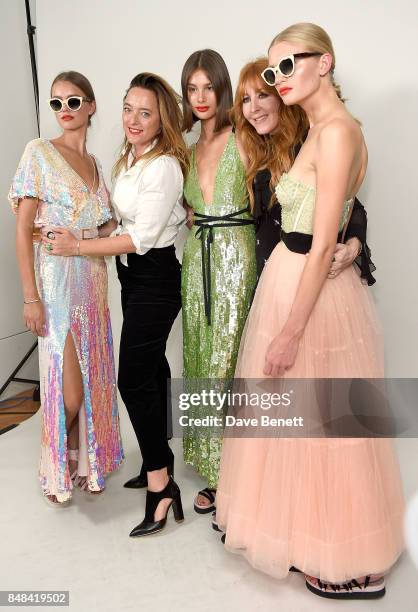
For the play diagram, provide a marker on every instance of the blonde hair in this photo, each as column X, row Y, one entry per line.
column 275, row 152
column 170, row 140
column 315, row 39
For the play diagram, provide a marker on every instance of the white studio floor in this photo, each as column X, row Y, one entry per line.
column 85, row 548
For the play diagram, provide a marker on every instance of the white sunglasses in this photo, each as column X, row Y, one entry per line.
column 286, row 67
column 73, row 103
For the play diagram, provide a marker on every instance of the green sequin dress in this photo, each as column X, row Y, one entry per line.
column 210, row 350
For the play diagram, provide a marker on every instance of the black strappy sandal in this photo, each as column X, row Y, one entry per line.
column 215, row 525
column 349, row 590
column 210, row 496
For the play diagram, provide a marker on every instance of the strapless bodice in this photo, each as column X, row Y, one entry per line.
column 298, row 205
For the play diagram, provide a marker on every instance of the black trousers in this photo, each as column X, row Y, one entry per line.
column 151, row 300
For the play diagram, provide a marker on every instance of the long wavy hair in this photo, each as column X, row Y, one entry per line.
column 170, row 140
column 275, row 152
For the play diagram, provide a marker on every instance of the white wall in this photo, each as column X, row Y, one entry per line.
column 376, row 49
column 17, row 126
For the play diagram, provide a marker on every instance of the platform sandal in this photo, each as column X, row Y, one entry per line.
column 353, row 589
column 209, row 494
column 54, row 503
column 215, row 524
column 78, row 481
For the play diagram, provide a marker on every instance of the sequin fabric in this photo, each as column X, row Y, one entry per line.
column 298, row 204
column 210, row 351
column 74, row 293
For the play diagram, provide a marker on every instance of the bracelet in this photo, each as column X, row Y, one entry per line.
column 31, row 301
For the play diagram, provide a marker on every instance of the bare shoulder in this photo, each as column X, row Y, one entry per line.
column 340, row 130
column 342, row 152
column 238, row 140
column 241, row 149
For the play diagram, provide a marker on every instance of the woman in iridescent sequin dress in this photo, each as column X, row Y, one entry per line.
column 148, row 201
column 331, row 507
column 219, row 268
column 58, row 183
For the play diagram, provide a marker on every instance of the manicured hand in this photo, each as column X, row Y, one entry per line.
column 344, row 256
column 64, row 243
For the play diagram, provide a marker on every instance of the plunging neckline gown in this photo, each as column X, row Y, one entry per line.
column 210, row 350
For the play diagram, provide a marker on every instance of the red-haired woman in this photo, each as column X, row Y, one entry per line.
column 271, row 134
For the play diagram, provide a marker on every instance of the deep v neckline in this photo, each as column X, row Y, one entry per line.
column 218, row 163
column 76, row 174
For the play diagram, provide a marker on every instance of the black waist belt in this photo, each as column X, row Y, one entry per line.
column 300, row 243
column 206, row 224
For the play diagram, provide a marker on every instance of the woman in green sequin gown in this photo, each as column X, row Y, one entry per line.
column 210, row 347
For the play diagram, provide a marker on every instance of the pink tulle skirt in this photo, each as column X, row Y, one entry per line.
column 331, row 507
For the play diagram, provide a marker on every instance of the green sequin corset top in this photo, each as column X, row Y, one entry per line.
column 298, row 205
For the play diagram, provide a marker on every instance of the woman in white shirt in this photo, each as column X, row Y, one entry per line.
column 148, row 202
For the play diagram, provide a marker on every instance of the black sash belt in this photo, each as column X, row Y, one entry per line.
column 209, row 223
column 300, row 243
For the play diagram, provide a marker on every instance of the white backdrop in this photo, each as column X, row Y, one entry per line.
column 17, row 126
column 376, row 49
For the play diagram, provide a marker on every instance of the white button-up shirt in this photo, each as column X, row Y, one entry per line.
column 148, row 203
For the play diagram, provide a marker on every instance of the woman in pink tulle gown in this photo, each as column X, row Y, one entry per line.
column 331, row 507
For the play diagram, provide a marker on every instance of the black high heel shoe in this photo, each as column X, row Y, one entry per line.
column 141, row 481
column 149, row 525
